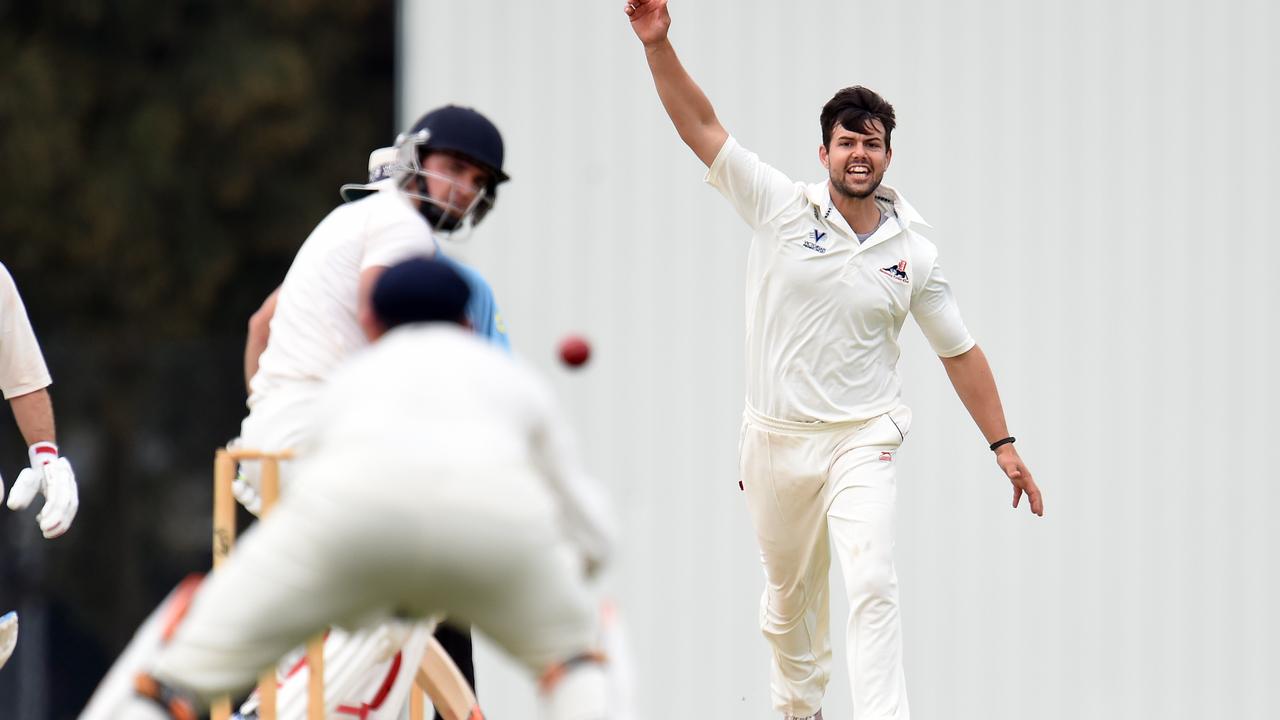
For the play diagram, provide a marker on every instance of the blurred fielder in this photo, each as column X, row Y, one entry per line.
column 833, row 269
column 444, row 180
column 439, row 478
column 24, row 378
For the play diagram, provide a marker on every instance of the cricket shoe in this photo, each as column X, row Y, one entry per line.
column 8, row 635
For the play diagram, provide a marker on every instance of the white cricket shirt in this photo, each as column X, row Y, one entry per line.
column 824, row 311
column 315, row 325
column 457, row 417
column 22, row 368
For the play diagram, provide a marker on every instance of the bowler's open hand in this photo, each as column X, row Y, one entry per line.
column 1012, row 465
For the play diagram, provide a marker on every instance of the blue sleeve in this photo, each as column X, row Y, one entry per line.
column 482, row 309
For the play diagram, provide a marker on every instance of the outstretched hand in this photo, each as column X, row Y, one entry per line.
column 1009, row 461
column 649, row 19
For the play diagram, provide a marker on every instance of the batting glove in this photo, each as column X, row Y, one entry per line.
column 246, row 494
column 51, row 476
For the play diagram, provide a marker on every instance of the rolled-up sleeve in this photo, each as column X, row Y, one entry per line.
column 757, row 190
column 936, row 312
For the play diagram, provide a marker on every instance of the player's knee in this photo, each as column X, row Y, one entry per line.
column 871, row 577
column 576, row 689
column 780, row 612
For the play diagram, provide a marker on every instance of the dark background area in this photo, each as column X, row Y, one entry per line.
column 160, row 163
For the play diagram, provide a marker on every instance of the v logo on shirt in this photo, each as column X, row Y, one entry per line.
column 814, row 243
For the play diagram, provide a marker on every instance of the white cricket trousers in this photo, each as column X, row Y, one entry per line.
column 359, row 664
column 811, row 486
column 355, row 544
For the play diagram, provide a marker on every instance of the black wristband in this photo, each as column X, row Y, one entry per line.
column 1002, row 441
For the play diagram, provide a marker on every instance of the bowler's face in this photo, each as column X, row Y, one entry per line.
column 856, row 161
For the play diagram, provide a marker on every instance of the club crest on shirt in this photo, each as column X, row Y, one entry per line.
column 897, row 272
column 814, row 240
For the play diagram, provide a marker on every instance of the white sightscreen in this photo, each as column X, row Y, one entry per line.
column 1100, row 176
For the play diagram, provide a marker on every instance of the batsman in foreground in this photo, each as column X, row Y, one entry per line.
column 833, row 269
column 25, row 380
column 469, row 502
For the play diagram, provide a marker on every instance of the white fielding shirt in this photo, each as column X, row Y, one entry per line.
column 438, row 410
column 315, row 324
column 22, row 367
column 824, row 311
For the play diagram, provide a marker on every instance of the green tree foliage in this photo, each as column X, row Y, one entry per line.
column 160, row 163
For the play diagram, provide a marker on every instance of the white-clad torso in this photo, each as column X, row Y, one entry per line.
column 436, row 409
column 22, row 366
column 315, row 324
column 824, row 311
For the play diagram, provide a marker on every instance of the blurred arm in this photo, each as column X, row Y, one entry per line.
column 589, row 522
column 259, row 334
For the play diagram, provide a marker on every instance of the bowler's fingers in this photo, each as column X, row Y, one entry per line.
column 1037, row 500
column 639, row 8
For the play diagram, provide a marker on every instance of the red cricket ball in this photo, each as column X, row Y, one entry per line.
column 574, row 351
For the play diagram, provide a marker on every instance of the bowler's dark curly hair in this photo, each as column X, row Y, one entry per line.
column 855, row 108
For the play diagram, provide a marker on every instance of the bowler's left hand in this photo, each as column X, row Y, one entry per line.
column 1018, row 474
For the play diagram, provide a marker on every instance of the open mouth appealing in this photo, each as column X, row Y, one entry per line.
column 858, row 171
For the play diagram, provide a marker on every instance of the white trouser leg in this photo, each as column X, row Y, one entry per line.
column 274, row 592
column 337, row 554
column 861, row 523
column 783, row 477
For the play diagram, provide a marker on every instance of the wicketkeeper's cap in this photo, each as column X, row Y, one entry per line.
column 420, row 290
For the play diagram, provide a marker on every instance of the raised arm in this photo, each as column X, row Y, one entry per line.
column 689, row 109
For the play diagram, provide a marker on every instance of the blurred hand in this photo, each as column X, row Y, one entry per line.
column 649, row 19
column 1018, row 474
column 247, row 495
column 57, row 482
column 8, row 635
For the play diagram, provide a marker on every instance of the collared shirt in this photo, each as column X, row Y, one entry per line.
column 824, row 311
column 482, row 308
column 22, row 368
column 315, row 325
